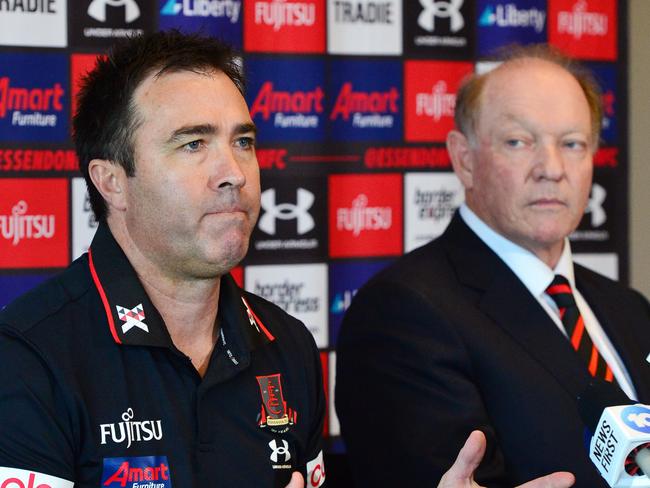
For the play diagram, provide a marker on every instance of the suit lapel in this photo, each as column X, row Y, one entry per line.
column 505, row 300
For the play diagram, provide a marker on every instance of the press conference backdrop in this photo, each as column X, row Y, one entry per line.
column 352, row 98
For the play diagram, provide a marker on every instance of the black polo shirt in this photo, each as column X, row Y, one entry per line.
column 92, row 389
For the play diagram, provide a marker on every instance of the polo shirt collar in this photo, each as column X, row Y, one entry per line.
column 134, row 320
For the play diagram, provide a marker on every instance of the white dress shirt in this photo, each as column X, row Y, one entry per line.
column 537, row 276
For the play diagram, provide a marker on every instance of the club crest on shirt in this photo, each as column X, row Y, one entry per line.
column 274, row 414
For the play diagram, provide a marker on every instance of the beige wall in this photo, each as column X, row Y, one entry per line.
column 639, row 139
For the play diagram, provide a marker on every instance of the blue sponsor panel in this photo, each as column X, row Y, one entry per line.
column 287, row 98
column 503, row 22
column 218, row 18
column 12, row 286
column 34, row 97
column 606, row 77
column 365, row 101
column 136, row 472
column 345, row 279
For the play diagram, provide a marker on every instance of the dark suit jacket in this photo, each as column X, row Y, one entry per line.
column 448, row 340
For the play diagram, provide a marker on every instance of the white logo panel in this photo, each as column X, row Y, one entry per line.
column 430, row 200
column 334, row 425
column 604, row 263
column 316, row 471
column 364, row 27
column 299, row 289
column 43, row 26
column 84, row 224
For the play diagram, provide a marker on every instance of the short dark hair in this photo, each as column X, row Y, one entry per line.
column 468, row 98
column 106, row 118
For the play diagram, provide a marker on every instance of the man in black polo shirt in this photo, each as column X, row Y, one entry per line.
column 143, row 364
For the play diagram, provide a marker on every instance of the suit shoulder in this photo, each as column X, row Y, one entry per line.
column 48, row 298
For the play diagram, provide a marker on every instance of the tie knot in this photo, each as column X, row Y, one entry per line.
column 560, row 291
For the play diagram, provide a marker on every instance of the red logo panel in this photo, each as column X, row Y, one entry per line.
column 34, row 223
column 289, row 26
column 584, row 28
column 430, row 97
column 365, row 215
column 80, row 65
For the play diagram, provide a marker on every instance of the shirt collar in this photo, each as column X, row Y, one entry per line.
column 134, row 320
column 531, row 271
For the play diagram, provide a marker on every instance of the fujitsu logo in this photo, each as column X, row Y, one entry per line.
column 19, row 225
column 15, row 98
column 361, row 217
column 279, row 13
column 437, row 104
column 350, row 101
column 130, row 431
column 579, row 22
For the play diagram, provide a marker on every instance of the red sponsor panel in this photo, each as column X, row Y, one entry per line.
column 365, row 215
column 289, row 26
column 34, row 223
column 430, row 97
column 80, row 65
column 584, row 29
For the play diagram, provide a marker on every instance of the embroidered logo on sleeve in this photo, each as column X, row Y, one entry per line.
column 275, row 415
column 24, row 478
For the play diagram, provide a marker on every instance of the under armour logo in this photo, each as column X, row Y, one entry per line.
column 438, row 8
column 595, row 205
column 278, row 451
column 97, row 9
column 287, row 211
column 132, row 318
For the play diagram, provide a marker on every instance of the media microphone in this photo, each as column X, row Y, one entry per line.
column 620, row 429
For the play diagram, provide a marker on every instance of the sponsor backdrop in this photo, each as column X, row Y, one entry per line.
column 353, row 99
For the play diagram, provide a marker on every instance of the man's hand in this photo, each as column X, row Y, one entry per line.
column 296, row 481
column 461, row 474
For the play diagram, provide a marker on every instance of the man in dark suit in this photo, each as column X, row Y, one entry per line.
column 473, row 330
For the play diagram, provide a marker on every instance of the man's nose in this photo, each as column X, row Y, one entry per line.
column 549, row 162
column 226, row 171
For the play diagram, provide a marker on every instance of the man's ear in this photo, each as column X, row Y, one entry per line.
column 462, row 157
column 110, row 180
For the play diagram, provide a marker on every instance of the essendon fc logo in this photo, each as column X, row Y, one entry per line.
column 430, row 95
column 365, row 213
column 274, row 415
column 33, row 223
column 584, row 29
column 296, row 26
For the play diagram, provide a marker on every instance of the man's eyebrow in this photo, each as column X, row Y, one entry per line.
column 244, row 128
column 191, row 130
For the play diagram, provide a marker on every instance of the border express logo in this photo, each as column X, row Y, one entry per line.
column 584, row 29
column 430, row 200
column 368, row 101
column 283, row 106
column 365, row 215
column 430, row 95
column 505, row 22
column 290, row 26
column 364, row 27
column 34, row 223
column 136, row 472
column 33, row 97
column 218, row 18
column 298, row 289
